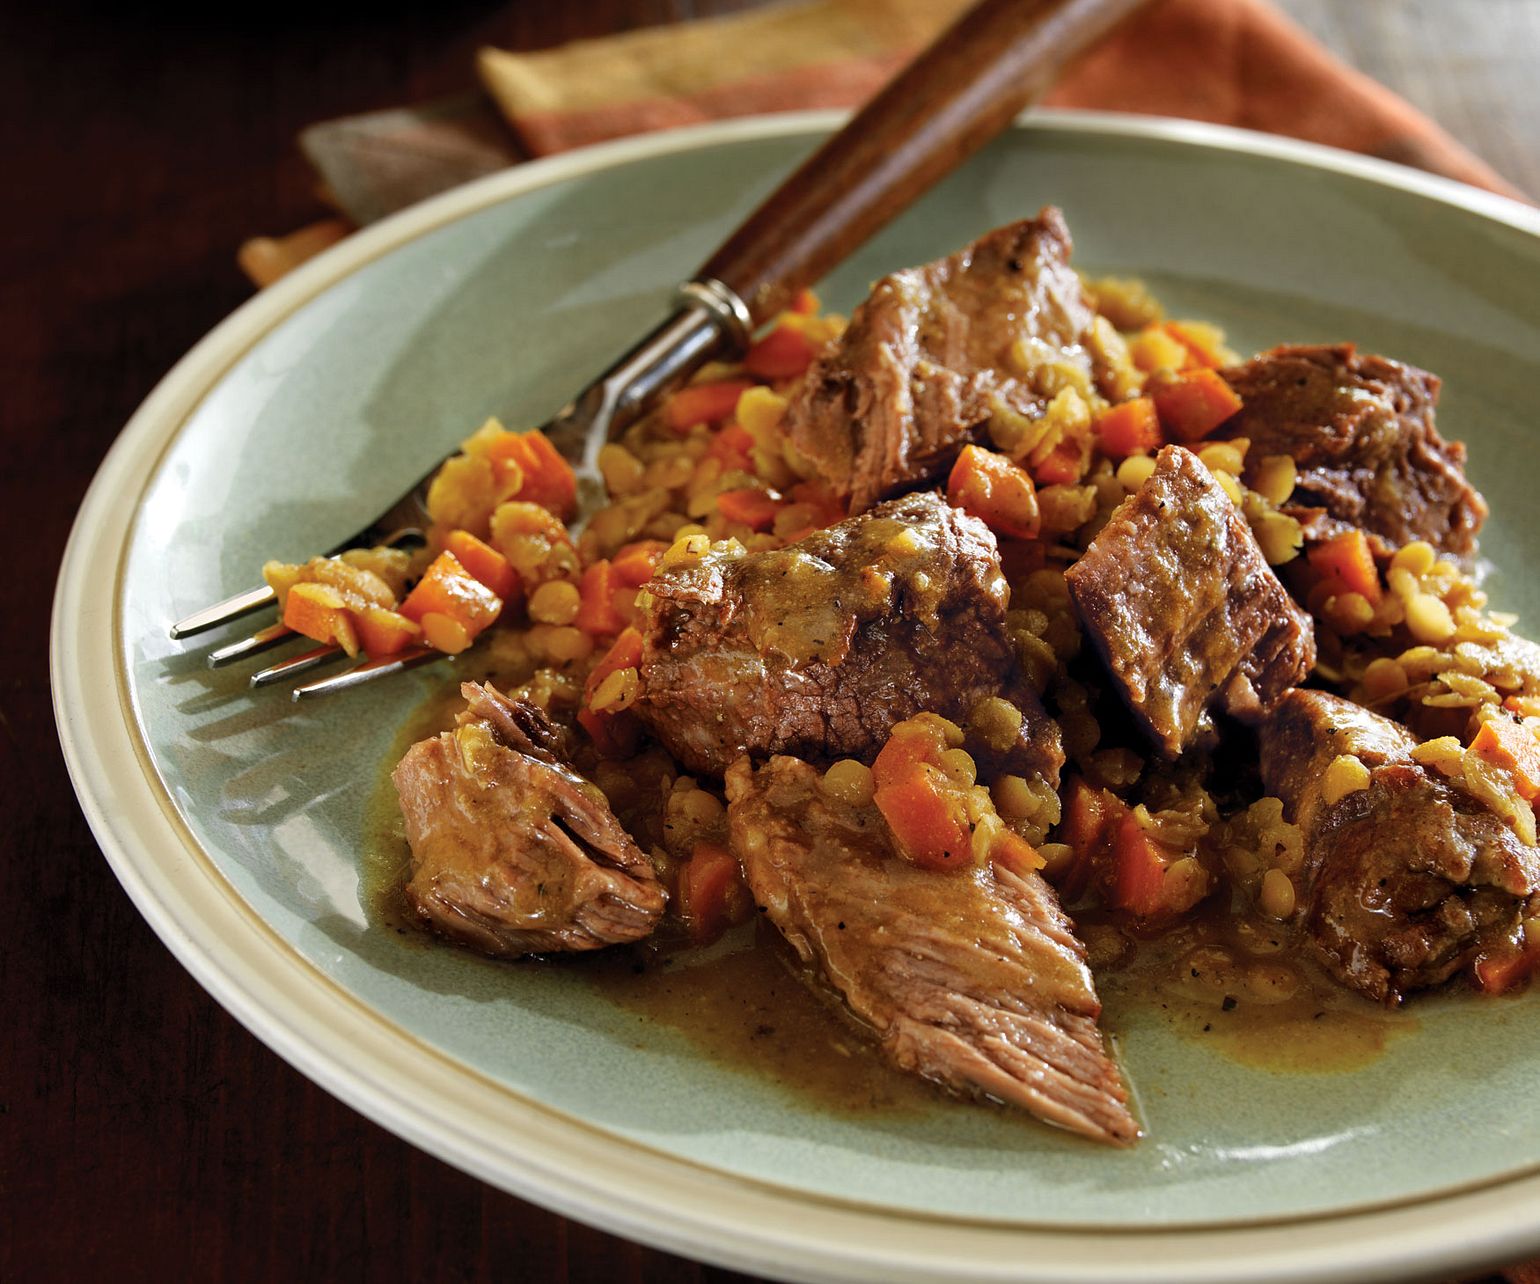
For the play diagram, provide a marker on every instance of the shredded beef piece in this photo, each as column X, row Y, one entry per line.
column 513, row 852
column 970, row 978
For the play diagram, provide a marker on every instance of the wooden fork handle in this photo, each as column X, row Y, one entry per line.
column 956, row 96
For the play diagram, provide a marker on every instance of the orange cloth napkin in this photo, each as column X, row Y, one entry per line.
column 1234, row 62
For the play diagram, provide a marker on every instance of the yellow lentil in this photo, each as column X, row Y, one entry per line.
column 1275, row 478
column 1428, row 619
column 555, row 603
column 1344, row 775
column 959, row 766
column 617, row 691
column 1277, row 895
column 849, row 781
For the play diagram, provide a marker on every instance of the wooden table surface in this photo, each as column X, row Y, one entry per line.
column 143, row 1134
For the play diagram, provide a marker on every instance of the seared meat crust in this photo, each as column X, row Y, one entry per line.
column 1360, row 429
column 817, row 649
column 1184, row 609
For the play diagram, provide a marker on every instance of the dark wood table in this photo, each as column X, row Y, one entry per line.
column 143, row 1134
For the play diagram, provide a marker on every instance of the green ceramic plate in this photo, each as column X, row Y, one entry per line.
column 234, row 820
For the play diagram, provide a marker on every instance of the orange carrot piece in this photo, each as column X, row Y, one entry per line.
column 318, row 612
column 1129, row 427
column 1515, row 748
column 996, row 491
column 548, row 478
column 636, row 563
column 1347, row 561
column 596, row 608
column 931, row 830
column 383, row 632
column 784, row 353
column 1192, row 404
column 1089, row 816
column 712, row 892
column 805, row 304
column 1498, row 973
column 484, row 562
column 1139, row 871
column 910, row 746
column 732, row 445
column 1013, row 852
column 1199, row 355
column 703, row 403
column 615, row 735
column 447, row 588
column 1065, row 464
column 754, row 508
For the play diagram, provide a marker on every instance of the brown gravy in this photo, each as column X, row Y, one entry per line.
column 741, row 1003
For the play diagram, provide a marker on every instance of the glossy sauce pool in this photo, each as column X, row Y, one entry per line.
column 741, row 1002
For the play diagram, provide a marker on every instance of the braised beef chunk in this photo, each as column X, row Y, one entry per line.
column 1360, row 430
column 819, row 648
column 512, row 852
column 934, row 351
column 1405, row 881
column 972, row 979
column 1184, row 609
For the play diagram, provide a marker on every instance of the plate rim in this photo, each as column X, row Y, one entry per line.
column 202, row 919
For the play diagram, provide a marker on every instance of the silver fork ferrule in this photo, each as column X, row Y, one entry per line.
column 721, row 301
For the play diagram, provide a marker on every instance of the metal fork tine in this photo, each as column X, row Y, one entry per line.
column 368, row 671
column 299, row 664
column 261, row 640
column 232, row 608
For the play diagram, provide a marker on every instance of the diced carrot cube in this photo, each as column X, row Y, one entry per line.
column 805, row 304
column 1515, row 748
column 1129, row 427
column 712, row 892
column 596, row 609
column 784, row 353
column 930, row 828
column 1347, row 562
column 1139, row 870
column 615, row 735
column 318, row 612
column 485, row 563
column 754, row 508
column 636, row 563
column 1065, row 464
column 732, row 445
column 1501, row 971
column 996, row 491
column 384, row 632
column 448, row 589
column 548, row 479
column 703, row 403
column 1192, row 404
